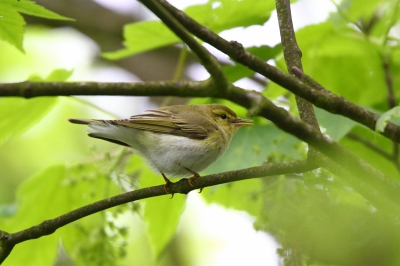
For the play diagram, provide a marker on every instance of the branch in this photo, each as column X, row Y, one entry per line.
column 324, row 99
column 8, row 241
column 292, row 55
column 149, row 88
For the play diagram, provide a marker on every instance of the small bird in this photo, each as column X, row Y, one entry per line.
column 178, row 140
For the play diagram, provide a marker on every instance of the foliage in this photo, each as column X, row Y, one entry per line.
column 12, row 23
column 318, row 217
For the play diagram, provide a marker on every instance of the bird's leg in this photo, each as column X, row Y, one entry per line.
column 195, row 175
column 167, row 182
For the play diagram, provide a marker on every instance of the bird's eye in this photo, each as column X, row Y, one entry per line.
column 223, row 116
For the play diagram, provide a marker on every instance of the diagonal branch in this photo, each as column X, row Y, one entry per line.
column 8, row 241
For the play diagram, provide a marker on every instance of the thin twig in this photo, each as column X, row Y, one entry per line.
column 390, row 157
column 369, row 145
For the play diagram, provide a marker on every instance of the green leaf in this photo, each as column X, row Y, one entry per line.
column 243, row 195
column 238, row 71
column 385, row 117
column 329, row 223
column 336, row 126
column 11, row 26
column 255, row 145
column 372, row 157
column 216, row 15
column 361, row 9
column 57, row 75
column 327, row 49
column 227, row 14
column 388, row 17
column 143, row 36
column 18, row 115
column 395, row 71
column 33, row 9
column 374, row 17
column 161, row 214
column 53, row 192
column 162, row 217
column 12, row 23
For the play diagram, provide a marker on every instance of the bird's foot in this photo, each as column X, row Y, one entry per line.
column 167, row 182
column 195, row 176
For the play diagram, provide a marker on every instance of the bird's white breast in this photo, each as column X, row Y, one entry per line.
column 166, row 153
column 172, row 153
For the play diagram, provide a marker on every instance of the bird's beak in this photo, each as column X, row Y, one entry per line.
column 241, row 122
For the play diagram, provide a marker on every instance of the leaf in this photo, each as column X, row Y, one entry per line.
column 327, row 49
column 11, row 26
column 57, row 75
column 372, row 157
column 219, row 15
column 309, row 215
column 143, row 36
column 216, row 15
column 384, row 27
column 12, row 23
column 53, row 192
column 395, row 71
column 253, row 146
column 357, row 9
column 18, row 115
column 385, row 117
column 33, row 9
column 238, row 71
column 161, row 214
column 331, row 121
column 243, row 195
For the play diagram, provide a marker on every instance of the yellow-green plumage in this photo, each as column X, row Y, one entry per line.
column 173, row 139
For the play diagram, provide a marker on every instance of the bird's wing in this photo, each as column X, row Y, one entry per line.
column 170, row 122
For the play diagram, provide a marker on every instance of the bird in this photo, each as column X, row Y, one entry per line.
column 176, row 140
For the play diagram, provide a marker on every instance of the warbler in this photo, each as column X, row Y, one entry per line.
column 178, row 140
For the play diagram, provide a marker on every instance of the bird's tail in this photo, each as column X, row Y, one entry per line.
column 101, row 129
column 80, row 121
